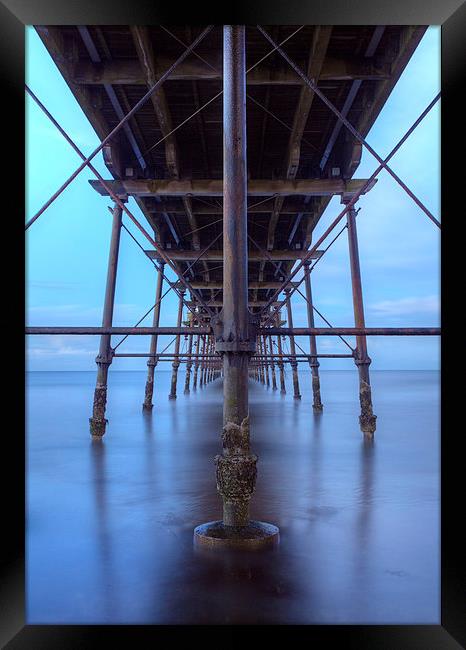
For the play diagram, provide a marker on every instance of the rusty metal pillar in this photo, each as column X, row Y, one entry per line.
column 293, row 362
column 152, row 361
column 98, row 420
column 176, row 362
column 189, row 362
column 272, row 365
column 367, row 419
column 235, row 340
column 206, row 360
column 260, row 360
column 266, row 361
column 196, row 362
column 210, row 361
column 280, row 364
column 202, row 362
column 314, row 363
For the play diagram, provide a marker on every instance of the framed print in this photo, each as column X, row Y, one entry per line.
column 254, row 444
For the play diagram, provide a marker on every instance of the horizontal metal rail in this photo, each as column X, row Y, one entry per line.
column 352, row 331
column 118, row 330
column 274, row 331
column 185, row 355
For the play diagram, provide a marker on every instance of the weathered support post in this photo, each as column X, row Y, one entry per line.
column 152, row 361
column 367, row 419
column 196, row 362
column 235, row 340
column 314, row 363
column 98, row 420
column 210, row 362
column 266, row 361
column 203, row 351
column 176, row 362
column 272, row 365
column 280, row 364
column 189, row 361
column 293, row 362
column 206, row 361
column 260, row 361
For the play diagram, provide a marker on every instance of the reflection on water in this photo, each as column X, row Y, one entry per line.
column 110, row 522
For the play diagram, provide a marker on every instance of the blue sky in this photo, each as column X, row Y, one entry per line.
column 67, row 247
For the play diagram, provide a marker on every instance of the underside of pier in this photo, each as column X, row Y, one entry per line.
column 232, row 141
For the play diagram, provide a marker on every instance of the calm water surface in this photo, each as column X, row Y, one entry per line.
column 109, row 524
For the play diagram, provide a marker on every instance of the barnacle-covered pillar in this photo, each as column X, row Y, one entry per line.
column 314, row 363
column 98, row 420
column 367, row 419
column 152, row 361
column 293, row 362
column 234, row 336
column 176, row 362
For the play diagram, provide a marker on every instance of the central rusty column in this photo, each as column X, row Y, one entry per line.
column 293, row 362
column 314, row 363
column 235, row 339
column 176, row 363
column 367, row 418
column 152, row 361
column 98, row 421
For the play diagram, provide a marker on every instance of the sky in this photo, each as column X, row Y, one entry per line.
column 399, row 247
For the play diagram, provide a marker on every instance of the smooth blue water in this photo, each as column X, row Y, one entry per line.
column 109, row 524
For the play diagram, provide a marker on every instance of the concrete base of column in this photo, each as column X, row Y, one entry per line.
column 255, row 535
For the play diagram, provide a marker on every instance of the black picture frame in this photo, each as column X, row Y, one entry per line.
column 14, row 15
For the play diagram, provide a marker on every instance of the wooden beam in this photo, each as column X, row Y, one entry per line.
column 306, row 187
column 320, row 41
column 217, row 256
column 53, row 40
column 291, row 206
column 130, row 72
column 148, row 66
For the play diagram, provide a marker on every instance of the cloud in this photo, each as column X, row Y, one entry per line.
column 405, row 306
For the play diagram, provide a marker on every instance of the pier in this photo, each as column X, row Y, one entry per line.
column 232, row 140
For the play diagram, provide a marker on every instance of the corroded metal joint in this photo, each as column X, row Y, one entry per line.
column 152, row 363
column 366, row 361
column 313, row 363
column 175, row 365
column 105, row 359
